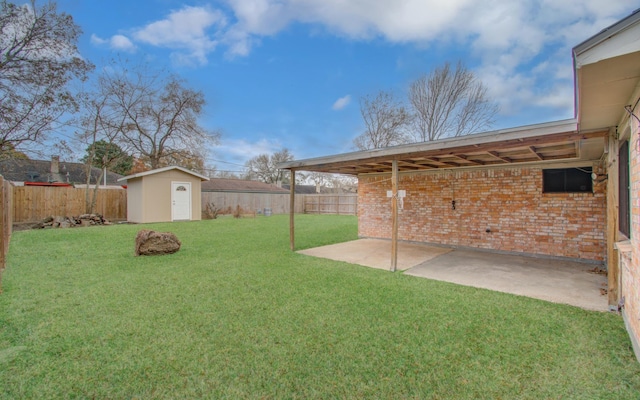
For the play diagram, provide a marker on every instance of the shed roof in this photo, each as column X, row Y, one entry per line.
column 164, row 169
column 239, row 185
column 540, row 143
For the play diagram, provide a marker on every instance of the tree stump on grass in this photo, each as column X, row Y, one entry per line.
column 150, row 243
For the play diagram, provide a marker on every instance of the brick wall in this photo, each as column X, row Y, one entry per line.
column 506, row 201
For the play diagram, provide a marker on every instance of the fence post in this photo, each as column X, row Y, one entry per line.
column 3, row 225
column 6, row 222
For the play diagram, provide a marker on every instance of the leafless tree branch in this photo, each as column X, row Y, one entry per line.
column 38, row 58
column 160, row 118
column 449, row 102
column 264, row 167
column 385, row 121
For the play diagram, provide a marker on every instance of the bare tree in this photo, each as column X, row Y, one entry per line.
column 344, row 183
column 333, row 183
column 263, row 167
column 223, row 174
column 189, row 159
column 319, row 179
column 385, row 121
column 449, row 102
column 161, row 118
column 102, row 125
column 38, row 58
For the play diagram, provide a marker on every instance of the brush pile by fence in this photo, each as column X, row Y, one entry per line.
column 71, row 222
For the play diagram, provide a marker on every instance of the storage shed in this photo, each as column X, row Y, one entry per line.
column 163, row 195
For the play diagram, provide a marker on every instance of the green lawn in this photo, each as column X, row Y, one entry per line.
column 235, row 314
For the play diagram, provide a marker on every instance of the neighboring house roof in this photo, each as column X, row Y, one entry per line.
column 239, row 185
column 164, row 169
column 50, row 172
column 548, row 142
column 302, row 189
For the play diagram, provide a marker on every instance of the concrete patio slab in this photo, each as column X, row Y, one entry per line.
column 376, row 253
column 558, row 281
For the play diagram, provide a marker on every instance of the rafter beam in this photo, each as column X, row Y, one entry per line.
column 535, row 152
column 413, row 165
column 452, row 164
column 465, row 158
column 425, row 162
column 499, row 157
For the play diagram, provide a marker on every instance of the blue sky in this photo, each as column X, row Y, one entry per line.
column 290, row 73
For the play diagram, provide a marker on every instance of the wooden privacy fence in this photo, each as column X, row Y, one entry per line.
column 279, row 203
column 33, row 203
column 346, row 204
column 6, row 222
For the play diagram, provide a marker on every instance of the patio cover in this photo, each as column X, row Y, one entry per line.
column 558, row 142
column 553, row 141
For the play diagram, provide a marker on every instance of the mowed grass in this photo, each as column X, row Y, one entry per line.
column 235, row 314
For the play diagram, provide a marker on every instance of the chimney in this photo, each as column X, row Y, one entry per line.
column 55, row 165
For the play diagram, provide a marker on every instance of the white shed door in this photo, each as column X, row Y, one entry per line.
column 180, row 201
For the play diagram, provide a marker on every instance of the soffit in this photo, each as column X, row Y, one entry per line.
column 605, row 88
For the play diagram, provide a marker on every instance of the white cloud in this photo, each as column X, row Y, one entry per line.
column 120, row 42
column 396, row 20
column 186, row 31
column 341, row 103
column 507, row 37
column 241, row 150
column 115, row 42
column 239, row 42
column 97, row 40
column 522, row 48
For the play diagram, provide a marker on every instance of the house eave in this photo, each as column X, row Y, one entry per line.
column 606, row 34
column 606, row 73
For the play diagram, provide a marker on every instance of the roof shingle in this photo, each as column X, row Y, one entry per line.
column 18, row 170
column 239, row 185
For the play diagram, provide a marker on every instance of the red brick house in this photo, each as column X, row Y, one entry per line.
column 568, row 189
